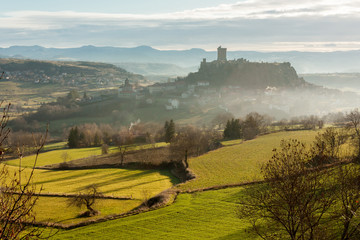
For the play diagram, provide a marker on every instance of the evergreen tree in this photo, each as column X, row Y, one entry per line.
column 73, row 139
column 227, row 130
column 169, row 130
column 233, row 129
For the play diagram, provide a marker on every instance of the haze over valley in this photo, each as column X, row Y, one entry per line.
column 205, row 119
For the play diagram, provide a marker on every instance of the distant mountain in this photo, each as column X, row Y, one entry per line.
column 304, row 62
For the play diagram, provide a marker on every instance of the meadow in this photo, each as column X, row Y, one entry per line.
column 205, row 215
column 57, row 209
column 136, row 184
column 238, row 161
column 54, row 154
column 201, row 215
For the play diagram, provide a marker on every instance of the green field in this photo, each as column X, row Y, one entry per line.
column 201, row 215
column 52, row 157
column 138, row 184
column 55, row 156
column 206, row 215
column 110, row 181
column 238, row 161
column 56, row 209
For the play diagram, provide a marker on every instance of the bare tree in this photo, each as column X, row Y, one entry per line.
column 190, row 141
column 292, row 202
column 17, row 196
column 122, row 141
column 347, row 192
column 254, row 124
column 353, row 119
column 327, row 146
column 65, row 156
column 87, row 198
column 104, row 149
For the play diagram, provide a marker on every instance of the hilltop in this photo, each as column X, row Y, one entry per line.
column 53, row 71
column 247, row 75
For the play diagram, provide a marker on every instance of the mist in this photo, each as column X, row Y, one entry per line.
column 287, row 103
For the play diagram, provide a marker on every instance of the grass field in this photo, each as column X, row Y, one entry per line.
column 138, row 184
column 201, row 215
column 110, row 181
column 61, row 212
column 206, row 215
column 238, row 161
column 52, row 157
column 58, row 149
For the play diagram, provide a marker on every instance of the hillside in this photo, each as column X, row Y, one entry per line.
column 247, row 75
column 33, row 70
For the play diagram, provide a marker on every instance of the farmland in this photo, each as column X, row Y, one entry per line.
column 201, row 215
column 206, row 215
column 53, row 157
column 135, row 184
column 239, row 161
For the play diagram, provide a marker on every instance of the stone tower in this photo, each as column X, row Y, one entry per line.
column 221, row 54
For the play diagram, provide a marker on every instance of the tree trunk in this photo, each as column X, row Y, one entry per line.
column 186, row 159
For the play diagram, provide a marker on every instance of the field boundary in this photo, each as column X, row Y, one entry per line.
column 73, row 195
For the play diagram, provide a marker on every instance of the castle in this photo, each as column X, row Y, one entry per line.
column 221, row 56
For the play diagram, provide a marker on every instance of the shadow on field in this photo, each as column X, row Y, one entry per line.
column 173, row 179
column 128, row 186
column 77, row 175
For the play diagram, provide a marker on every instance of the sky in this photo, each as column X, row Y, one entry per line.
column 252, row 25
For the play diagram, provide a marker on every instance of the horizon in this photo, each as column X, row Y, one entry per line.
column 185, row 49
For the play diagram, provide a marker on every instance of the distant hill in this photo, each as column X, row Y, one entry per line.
column 247, row 75
column 342, row 81
column 304, row 62
column 56, row 68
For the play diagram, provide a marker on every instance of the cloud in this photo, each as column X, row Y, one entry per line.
column 248, row 9
column 245, row 23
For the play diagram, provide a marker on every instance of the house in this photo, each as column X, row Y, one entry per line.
column 172, row 104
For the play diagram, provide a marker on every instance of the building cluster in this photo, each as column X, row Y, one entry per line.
column 175, row 90
column 65, row 79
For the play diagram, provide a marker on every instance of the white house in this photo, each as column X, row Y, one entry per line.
column 173, row 104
